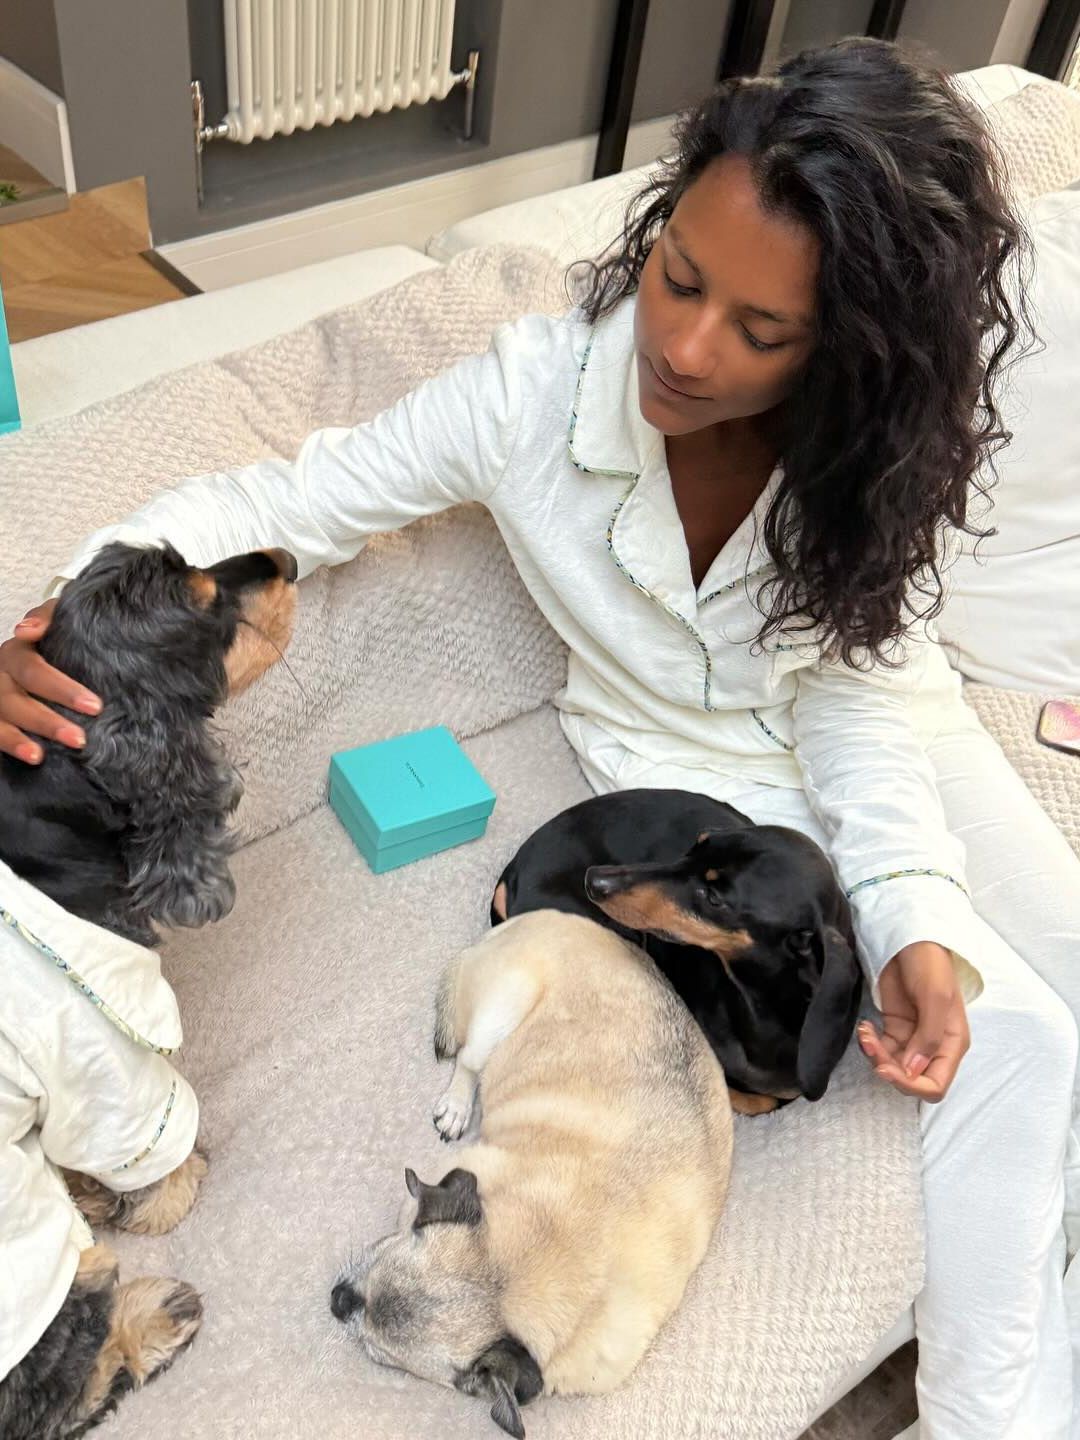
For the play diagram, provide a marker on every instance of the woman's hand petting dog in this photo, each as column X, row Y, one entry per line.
column 925, row 1029
column 24, row 675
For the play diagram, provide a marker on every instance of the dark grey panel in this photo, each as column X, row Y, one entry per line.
column 961, row 35
column 28, row 39
column 549, row 82
column 822, row 21
column 127, row 86
column 683, row 41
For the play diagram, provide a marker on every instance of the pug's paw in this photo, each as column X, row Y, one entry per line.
column 452, row 1115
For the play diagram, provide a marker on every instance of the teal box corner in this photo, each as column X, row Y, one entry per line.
column 9, row 404
column 409, row 797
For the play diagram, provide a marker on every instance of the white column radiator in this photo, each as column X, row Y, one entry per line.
column 295, row 64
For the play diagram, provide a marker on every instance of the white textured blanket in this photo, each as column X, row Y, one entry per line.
column 1052, row 776
column 432, row 627
column 307, row 1013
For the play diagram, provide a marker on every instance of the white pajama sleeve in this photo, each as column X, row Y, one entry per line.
column 135, row 1122
column 870, row 783
column 447, row 442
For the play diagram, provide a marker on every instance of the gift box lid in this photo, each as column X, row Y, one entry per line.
column 411, row 785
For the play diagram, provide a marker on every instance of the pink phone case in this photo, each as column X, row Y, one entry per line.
column 1059, row 725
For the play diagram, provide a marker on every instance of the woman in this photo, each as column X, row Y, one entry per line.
column 726, row 483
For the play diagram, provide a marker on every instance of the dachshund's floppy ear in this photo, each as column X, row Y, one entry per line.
column 830, row 1018
column 507, row 1375
column 178, row 789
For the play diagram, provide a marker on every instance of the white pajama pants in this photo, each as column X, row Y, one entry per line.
column 998, row 1320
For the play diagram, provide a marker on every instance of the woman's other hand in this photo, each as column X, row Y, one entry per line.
column 924, row 1033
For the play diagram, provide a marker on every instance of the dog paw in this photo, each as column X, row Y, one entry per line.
column 152, row 1210
column 161, row 1206
column 99, row 1205
column 451, row 1116
column 154, row 1319
column 151, row 1321
column 98, row 1269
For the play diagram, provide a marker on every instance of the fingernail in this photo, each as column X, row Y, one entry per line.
column 88, row 704
column 26, row 625
column 916, row 1065
column 30, row 753
column 70, row 736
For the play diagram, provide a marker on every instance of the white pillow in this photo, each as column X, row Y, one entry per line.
column 572, row 224
column 1013, row 617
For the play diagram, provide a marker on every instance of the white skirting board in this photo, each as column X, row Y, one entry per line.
column 34, row 123
column 399, row 215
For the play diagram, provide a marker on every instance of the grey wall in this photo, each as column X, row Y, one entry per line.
column 962, row 35
column 28, row 38
column 125, row 68
column 683, row 41
column 126, row 82
column 545, row 83
column 821, row 21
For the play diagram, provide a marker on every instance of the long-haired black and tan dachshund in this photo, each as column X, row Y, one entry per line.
column 129, row 833
column 132, row 830
column 746, row 921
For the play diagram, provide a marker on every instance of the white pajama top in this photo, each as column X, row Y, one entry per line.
column 86, row 1021
column 545, row 430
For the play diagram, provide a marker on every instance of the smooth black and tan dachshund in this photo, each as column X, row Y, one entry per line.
column 747, row 922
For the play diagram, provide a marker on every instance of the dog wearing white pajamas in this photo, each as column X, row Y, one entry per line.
column 86, row 1023
column 100, row 847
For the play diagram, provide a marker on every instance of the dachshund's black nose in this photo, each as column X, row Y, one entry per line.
column 344, row 1300
column 285, row 560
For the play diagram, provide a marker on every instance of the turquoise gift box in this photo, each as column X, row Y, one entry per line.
column 9, row 405
column 408, row 797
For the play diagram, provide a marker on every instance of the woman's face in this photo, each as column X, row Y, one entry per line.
column 725, row 310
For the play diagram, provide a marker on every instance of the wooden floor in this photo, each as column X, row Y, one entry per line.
column 26, row 192
column 882, row 1407
column 87, row 263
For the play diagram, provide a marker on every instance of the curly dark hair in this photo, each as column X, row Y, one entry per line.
column 892, row 427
